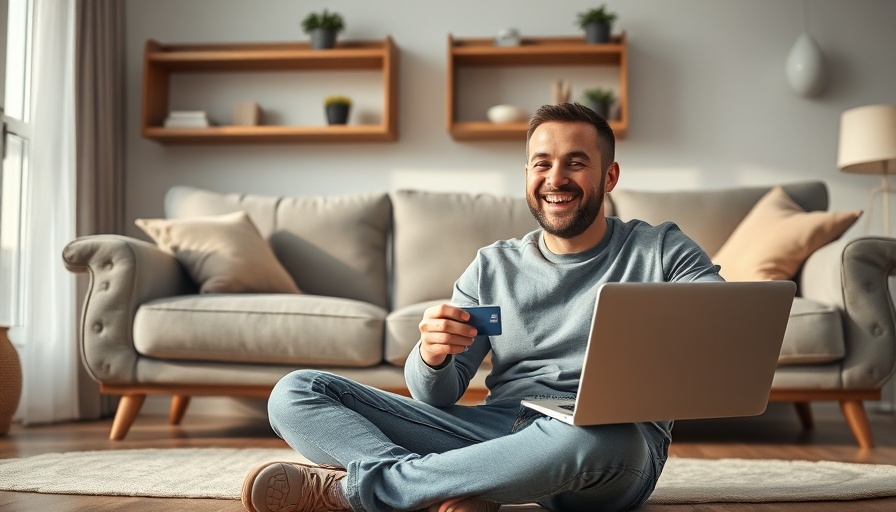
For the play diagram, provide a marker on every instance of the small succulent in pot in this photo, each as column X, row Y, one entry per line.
column 597, row 24
column 337, row 109
column 323, row 27
column 600, row 100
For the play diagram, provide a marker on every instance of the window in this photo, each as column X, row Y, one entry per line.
column 15, row 36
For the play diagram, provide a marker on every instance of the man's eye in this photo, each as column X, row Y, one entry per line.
column 575, row 164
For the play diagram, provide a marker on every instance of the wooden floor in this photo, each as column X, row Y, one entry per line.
column 776, row 434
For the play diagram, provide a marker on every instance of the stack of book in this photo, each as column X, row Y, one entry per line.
column 187, row 119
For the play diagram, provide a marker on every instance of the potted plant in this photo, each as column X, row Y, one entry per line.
column 337, row 108
column 597, row 24
column 323, row 27
column 599, row 100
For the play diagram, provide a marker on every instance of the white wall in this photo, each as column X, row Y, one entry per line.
column 709, row 103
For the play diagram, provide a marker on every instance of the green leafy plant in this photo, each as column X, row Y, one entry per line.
column 325, row 20
column 599, row 95
column 338, row 100
column 599, row 15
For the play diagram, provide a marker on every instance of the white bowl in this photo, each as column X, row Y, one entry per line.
column 506, row 114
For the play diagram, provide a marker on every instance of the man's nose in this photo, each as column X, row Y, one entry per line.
column 557, row 177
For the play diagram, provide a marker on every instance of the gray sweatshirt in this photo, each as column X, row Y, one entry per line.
column 547, row 301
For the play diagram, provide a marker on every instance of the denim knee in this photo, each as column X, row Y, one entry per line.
column 297, row 384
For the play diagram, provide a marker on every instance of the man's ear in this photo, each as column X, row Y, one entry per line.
column 611, row 178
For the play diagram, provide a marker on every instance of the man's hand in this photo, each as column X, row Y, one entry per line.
column 443, row 332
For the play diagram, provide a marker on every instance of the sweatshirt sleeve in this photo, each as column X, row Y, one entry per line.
column 445, row 385
column 683, row 259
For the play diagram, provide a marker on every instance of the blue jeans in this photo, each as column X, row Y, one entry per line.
column 402, row 454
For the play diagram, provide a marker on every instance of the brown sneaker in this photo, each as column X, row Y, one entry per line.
column 294, row 487
column 471, row 504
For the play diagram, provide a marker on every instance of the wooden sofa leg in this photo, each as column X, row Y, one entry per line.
column 179, row 405
column 854, row 411
column 804, row 412
column 128, row 409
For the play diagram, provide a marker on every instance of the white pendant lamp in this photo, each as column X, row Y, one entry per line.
column 805, row 63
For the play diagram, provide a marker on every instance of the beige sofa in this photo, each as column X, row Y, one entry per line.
column 368, row 265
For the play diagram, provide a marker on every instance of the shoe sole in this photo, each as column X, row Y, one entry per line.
column 249, row 482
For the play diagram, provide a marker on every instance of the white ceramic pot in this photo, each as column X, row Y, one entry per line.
column 506, row 114
column 508, row 37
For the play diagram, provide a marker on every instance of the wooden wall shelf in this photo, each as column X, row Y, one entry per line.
column 161, row 60
column 544, row 51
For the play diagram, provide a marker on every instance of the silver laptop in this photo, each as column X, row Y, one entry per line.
column 671, row 351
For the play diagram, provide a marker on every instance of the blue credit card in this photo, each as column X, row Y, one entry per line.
column 486, row 319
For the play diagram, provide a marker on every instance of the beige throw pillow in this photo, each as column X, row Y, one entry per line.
column 223, row 254
column 776, row 237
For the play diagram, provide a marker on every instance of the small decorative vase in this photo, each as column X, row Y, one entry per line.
column 323, row 39
column 596, row 33
column 10, row 381
column 508, row 37
column 337, row 113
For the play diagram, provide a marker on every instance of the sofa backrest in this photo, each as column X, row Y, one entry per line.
column 331, row 245
column 338, row 245
column 437, row 235
column 708, row 216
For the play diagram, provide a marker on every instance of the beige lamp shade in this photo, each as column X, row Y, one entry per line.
column 868, row 140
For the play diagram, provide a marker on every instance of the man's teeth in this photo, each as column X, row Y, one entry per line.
column 558, row 199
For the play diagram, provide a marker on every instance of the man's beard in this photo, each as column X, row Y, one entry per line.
column 581, row 220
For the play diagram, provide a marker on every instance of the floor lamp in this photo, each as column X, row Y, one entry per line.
column 868, row 146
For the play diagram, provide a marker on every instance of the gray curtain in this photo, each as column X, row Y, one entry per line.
column 100, row 138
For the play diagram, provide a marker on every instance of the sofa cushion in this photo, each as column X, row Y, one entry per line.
column 331, row 245
column 776, row 237
column 690, row 209
column 437, row 235
column 814, row 334
column 261, row 328
column 222, row 253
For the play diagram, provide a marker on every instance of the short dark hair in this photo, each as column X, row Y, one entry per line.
column 577, row 113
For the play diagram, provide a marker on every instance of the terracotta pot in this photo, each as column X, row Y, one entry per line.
column 10, row 381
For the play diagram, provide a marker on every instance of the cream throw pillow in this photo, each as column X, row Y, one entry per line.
column 776, row 237
column 223, row 254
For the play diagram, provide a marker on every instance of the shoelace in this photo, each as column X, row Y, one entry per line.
column 317, row 489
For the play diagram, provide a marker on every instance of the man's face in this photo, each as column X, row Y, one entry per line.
column 564, row 178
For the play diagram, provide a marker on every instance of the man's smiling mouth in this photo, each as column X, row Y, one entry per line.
column 558, row 198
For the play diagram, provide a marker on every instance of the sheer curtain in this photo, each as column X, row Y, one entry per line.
column 50, row 360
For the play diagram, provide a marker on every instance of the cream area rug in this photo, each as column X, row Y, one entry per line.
column 218, row 473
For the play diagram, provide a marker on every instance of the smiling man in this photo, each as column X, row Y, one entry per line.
column 566, row 183
column 389, row 452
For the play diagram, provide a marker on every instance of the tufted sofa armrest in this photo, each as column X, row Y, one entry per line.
column 124, row 273
column 853, row 275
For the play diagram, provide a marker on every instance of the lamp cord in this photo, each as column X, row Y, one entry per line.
column 805, row 17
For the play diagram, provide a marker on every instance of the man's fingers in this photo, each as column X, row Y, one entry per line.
column 446, row 311
column 443, row 325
